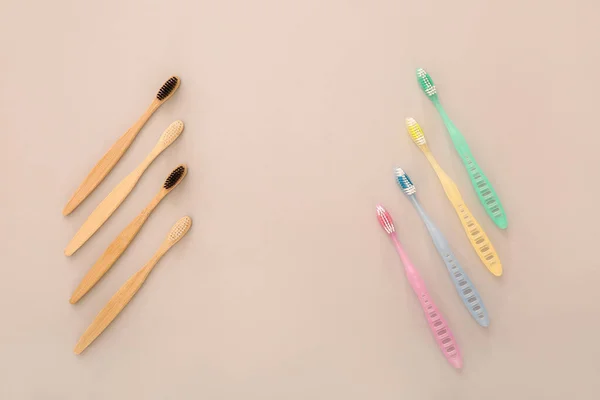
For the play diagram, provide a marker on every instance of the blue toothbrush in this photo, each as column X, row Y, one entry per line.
column 465, row 288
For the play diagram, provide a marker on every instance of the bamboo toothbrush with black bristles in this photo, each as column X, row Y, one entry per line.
column 121, row 242
column 114, row 199
column 114, row 154
column 124, row 295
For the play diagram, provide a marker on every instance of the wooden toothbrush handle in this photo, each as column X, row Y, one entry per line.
column 114, row 306
column 113, row 252
column 108, row 161
column 105, row 209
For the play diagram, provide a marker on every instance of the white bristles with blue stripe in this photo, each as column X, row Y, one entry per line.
column 405, row 182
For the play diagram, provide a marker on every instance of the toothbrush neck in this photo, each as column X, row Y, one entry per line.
column 447, row 121
column 149, row 158
column 436, row 167
column 152, row 205
column 152, row 108
column 413, row 199
column 157, row 256
column 438, row 105
column 400, row 250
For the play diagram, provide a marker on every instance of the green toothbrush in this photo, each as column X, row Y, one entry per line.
column 483, row 187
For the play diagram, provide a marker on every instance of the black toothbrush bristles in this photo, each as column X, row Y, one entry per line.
column 167, row 88
column 174, row 177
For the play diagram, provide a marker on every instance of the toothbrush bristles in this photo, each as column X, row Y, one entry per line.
column 174, row 177
column 180, row 228
column 415, row 131
column 167, row 88
column 405, row 183
column 426, row 82
column 385, row 219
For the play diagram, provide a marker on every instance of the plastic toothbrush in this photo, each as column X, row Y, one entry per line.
column 464, row 287
column 486, row 193
column 479, row 240
column 437, row 324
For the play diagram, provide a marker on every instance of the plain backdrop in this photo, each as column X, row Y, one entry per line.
column 286, row 287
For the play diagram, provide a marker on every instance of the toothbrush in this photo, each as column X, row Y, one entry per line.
column 486, row 193
column 437, row 324
column 464, row 287
column 121, row 191
column 124, row 295
column 479, row 240
column 114, row 154
column 120, row 244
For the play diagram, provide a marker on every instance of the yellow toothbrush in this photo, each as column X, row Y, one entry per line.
column 479, row 240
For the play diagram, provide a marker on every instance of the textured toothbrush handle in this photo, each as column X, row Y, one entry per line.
column 484, row 189
column 479, row 240
column 107, row 162
column 464, row 287
column 437, row 324
column 477, row 236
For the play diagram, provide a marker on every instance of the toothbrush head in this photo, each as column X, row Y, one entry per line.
column 426, row 83
column 168, row 88
column 405, row 183
column 385, row 219
column 179, row 230
column 171, row 133
column 415, row 132
column 175, row 177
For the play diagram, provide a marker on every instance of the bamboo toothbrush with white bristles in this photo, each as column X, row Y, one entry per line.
column 114, row 199
column 114, row 154
column 121, row 242
column 124, row 295
column 478, row 238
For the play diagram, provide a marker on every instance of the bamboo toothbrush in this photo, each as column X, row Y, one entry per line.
column 120, row 244
column 121, row 191
column 437, row 324
column 479, row 240
column 114, row 154
column 464, row 287
column 485, row 191
column 120, row 299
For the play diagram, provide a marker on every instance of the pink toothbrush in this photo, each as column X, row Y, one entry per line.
column 440, row 330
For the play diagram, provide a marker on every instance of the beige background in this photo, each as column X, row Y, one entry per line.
column 286, row 287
